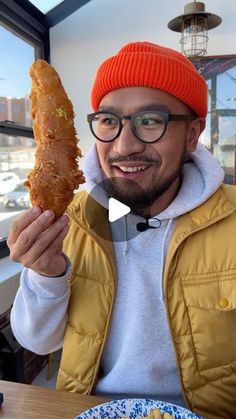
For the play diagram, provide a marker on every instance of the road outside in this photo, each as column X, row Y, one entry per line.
column 6, row 218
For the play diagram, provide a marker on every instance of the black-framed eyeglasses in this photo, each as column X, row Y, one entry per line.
column 148, row 126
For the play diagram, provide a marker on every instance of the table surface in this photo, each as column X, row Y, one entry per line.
column 22, row 401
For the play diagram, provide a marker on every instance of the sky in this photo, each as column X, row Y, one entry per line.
column 45, row 5
column 14, row 67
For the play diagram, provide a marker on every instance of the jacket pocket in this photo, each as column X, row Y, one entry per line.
column 211, row 305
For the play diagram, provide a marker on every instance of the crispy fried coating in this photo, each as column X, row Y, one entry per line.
column 55, row 175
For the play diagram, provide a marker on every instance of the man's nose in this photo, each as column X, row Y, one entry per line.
column 127, row 143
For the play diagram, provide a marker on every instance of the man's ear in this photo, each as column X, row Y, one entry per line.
column 194, row 131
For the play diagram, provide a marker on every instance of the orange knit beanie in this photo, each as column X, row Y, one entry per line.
column 151, row 65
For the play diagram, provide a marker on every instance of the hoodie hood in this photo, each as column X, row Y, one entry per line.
column 202, row 176
column 94, row 177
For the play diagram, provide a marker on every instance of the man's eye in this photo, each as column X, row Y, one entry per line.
column 147, row 121
column 150, row 120
column 109, row 121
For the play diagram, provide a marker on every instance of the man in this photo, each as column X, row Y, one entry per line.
column 150, row 312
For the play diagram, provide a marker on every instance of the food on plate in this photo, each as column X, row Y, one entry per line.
column 155, row 414
column 56, row 174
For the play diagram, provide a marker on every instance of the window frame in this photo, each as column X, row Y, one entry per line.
column 30, row 27
column 33, row 29
column 230, row 112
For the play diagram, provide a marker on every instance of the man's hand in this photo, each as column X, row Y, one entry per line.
column 35, row 240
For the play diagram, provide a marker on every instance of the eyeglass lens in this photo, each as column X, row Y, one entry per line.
column 147, row 126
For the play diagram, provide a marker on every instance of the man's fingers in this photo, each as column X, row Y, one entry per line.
column 53, row 236
column 31, row 233
column 21, row 223
column 52, row 262
column 57, row 243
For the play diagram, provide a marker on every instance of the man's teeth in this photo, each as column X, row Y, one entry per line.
column 133, row 169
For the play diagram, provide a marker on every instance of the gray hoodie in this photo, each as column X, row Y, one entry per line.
column 138, row 358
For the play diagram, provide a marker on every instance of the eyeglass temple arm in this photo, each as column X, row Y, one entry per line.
column 174, row 117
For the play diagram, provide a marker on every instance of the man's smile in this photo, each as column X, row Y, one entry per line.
column 130, row 169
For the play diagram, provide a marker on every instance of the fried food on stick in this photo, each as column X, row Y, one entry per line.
column 55, row 175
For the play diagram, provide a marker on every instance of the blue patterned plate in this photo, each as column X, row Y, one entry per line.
column 135, row 408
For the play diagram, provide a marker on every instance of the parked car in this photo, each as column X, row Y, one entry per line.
column 8, row 182
column 18, row 198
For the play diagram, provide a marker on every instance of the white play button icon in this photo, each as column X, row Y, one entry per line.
column 117, row 210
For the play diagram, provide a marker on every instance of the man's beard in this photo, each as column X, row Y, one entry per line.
column 137, row 198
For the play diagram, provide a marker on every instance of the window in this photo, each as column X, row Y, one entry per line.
column 220, row 133
column 2, row 107
column 16, row 151
column 22, row 40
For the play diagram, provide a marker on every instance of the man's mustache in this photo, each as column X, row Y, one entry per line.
column 143, row 159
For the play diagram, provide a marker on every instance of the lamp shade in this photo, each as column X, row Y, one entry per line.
column 194, row 25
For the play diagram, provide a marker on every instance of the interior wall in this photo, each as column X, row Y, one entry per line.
column 101, row 27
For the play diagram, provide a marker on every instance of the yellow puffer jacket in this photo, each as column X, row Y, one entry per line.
column 200, row 289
